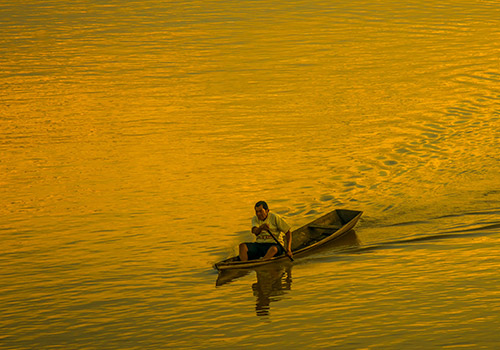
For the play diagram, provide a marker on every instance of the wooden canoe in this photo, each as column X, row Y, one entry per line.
column 305, row 239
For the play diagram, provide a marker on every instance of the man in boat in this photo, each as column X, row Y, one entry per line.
column 263, row 223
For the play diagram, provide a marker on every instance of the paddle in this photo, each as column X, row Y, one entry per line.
column 281, row 245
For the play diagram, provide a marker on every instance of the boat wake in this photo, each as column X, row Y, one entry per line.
column 464, row 225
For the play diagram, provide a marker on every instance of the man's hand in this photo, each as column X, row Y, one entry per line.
column 258, row 230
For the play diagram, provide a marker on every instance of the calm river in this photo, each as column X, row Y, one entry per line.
column 136, row 136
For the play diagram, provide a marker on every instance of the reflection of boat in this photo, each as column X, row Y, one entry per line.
column 306, row 238
column 229, row 275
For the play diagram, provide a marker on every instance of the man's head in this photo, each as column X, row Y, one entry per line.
column 261, row 210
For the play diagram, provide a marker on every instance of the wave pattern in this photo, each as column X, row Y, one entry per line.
column 135, row 137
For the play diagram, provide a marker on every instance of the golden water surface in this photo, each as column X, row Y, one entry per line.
column 136, row 136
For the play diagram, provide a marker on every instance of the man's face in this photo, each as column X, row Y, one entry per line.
column 261, row 212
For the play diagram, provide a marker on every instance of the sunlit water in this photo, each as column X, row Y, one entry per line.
column 135, row 138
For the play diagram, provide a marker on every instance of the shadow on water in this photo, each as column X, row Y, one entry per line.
column 275, row 280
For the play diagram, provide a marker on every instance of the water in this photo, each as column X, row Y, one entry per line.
column 135, row 138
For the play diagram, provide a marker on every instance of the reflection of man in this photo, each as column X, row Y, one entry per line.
column 264, row 246
column 272, row 284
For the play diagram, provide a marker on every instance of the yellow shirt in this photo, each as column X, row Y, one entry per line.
column 277, row 226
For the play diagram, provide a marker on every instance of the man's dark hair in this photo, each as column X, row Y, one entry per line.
column 264, row 204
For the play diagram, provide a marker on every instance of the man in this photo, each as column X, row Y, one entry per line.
column 265, row 246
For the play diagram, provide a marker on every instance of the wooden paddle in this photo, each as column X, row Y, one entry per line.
column 281, row 245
